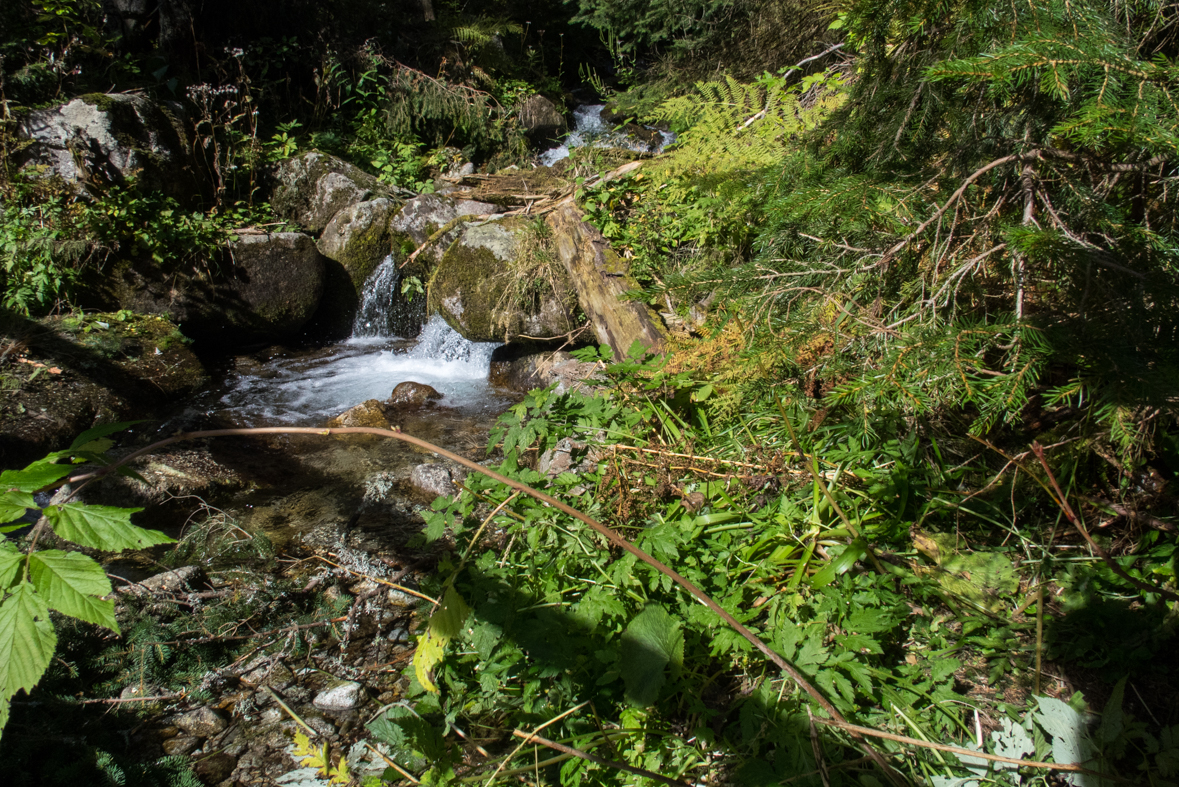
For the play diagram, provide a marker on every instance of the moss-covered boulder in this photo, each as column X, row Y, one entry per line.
column 62, row 375
column 99, row 140
column 312, row 188
column 354, row 244
column 358, row 238
column 495, row 284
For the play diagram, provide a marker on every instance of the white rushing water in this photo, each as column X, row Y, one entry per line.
column 310, row 388
column 590, row 129
column 374, row 317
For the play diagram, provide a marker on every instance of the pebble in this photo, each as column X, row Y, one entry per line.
column 342, row 696
column 202, row 722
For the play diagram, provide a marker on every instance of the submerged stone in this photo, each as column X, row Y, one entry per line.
column 411, row 394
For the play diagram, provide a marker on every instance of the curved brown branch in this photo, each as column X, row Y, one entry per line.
column 611, row 536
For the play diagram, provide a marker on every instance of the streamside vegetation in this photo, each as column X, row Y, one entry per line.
column 913, row 433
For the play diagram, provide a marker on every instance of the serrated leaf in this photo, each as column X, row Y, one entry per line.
column 72, row 583
column 27, row 640
column 14, row 505
column 102, row 527
column 653, row 641
column 33, row 477
column 11, row 559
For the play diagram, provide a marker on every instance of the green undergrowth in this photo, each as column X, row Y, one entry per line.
column 908, row 598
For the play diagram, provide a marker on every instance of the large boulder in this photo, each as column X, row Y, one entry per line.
column 90, row 369
column 266, row 288
column 98, row 140
column 487, row 289
column 541, row 119
column 312, row 188
column 275, row 285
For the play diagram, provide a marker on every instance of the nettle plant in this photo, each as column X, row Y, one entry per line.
column 35, row 581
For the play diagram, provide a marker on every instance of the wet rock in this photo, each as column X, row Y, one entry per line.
column 341, row 697
column 368, row 413
column 354, row 244
column 181, row 745
column 468, row 289
column 411, row 394
column 310, row 189
column 541, row 119
column 432, row 480
column 203, row 722
column 215, row 768
column 99, row 140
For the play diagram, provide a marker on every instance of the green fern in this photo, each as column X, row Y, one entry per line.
column 730, row 126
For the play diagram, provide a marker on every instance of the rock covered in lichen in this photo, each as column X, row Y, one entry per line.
column 99, row 139
column 312, row 188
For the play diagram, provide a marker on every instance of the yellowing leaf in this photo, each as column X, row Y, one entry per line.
column 445, row 624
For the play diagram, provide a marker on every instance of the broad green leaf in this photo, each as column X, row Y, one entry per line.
column 13, row 505
column 33, row 477
column 102, row 527
column 1010, row 740
column 27, row 640
column 652, row 642
column 72, row 583
column 1070, row 744
column 10, row 562
column 445, row 624
column 90, row 435
column 1112, row 718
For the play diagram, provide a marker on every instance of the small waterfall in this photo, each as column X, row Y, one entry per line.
column 590, row 129
column 376, row 315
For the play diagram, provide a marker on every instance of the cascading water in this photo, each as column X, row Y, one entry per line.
column 590, row 129
column 311, row 387
column 375, row 315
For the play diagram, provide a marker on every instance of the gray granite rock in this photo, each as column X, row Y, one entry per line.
column 341, row 697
